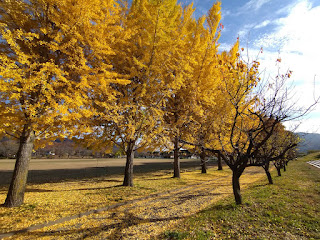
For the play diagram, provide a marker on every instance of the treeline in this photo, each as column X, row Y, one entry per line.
column 8, row 147
column 64, row 148
column 68, row 148
column 141, row 76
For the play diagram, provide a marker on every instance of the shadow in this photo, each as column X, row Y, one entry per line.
column 59, row 175
column 152, row 179
column 121, row 223
column 38, row 190
column 158, row 175
column 116, row 229
column 213, row 179
column 217, row 207
column 85, row 181
column 69, row 190
column 260, row 185
column 185, row 198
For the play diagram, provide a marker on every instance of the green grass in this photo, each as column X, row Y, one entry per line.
column 288, row 209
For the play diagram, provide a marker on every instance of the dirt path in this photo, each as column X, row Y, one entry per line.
column 145, row 218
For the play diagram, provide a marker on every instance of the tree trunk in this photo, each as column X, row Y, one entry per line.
column 176, row 162
column 128, row 172
column 266, row 169
column 18, row 184
column 236, row 186
column 219, row 162
column 269, row 176
column 279, row 172
column 284, row 167
column 203, row 162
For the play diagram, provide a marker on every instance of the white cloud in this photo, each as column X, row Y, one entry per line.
column 309, row 125
column 297, row 39
column 287, row 9
column 263, row 24
column 225, row 47
column 249, row 7
column 245, row 30
column 253, row 5
column 224, row 14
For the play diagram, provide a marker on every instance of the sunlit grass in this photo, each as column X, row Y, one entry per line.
column 289, row 209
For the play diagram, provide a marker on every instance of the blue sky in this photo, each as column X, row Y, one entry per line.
column 286, row 28
column 257, row 17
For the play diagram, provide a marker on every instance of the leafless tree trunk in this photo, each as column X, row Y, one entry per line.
column 266, row 169
column 269, row 176
column 236, row 185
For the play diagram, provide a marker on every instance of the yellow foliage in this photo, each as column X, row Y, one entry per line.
column 53, row 53
column 152, row 46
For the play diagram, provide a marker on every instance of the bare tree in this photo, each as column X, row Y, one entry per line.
column 279, row 148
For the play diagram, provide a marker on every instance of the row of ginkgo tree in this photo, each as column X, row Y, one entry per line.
column 139, row 75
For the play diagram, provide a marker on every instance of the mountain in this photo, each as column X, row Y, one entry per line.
column 310, row 141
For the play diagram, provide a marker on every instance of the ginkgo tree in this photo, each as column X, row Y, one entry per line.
column 46, row 70
column 223, row 129
column 135, row 120
column 178, row 101
column 198, row 58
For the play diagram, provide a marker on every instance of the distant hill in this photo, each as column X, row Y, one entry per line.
column 311, row 141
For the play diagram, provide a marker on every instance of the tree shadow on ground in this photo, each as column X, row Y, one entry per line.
column 116, row 228
column 182, row 199
column 260, row 185
column 69, row 190
column 59, row 175
column 225, row 207
column 121, row 222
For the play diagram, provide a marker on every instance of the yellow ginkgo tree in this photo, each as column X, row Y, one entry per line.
column 197, row 68
column 50, row 57
column 222, row 122
column 135, row 121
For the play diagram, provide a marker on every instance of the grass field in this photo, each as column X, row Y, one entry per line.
column 289, row 209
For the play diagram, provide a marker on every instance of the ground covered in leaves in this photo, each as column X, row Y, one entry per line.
column 197, row 206
column 168, row 202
